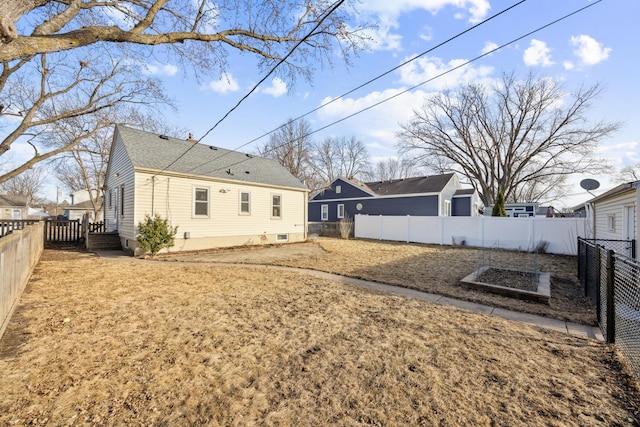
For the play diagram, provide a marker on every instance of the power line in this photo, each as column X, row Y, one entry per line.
column 424, row 82
column 332, row 9
column 368, row 82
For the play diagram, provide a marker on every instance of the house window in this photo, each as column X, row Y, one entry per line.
column 122, row 200
column 282, row 237
column 338, row 189
column 110, row 198
column 340, row 211
column 447, row 208
column 324, row 212
column 276, row 206
column 611, row 222
column 245, row 203
column 16, row 214
column 200, row 202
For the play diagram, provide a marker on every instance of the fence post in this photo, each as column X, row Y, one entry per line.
column 611, row 315
column 633, row 248
column 598, row 283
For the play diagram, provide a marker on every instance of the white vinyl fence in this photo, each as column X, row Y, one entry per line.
column 558, row 234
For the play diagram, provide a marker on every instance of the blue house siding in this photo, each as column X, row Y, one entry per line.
column 461, row 206
column 414, row 206
column 347, row 191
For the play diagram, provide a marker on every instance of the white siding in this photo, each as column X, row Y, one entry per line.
column 447, row 193
column 614, row 206
column 172, row 198
column 119, row 173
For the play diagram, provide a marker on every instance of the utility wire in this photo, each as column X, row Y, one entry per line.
column 368, row 82
column 333, row 8
column 424, row 82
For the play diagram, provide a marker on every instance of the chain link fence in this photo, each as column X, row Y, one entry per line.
column 612, row 281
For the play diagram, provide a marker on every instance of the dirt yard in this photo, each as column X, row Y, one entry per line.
column 98, row 341
column 431, row 268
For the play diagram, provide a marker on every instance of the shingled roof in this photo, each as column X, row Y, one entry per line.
column 158, row 152
column 18, row 201
column 421, row 184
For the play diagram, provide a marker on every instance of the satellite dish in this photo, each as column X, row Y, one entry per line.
column 589, row 184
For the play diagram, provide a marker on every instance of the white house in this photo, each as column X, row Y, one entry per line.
column 81, row 204
column 216, row 197
column 615, row 213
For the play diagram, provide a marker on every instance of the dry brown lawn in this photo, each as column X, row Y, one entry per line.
column 97, row 341
column 430, row 268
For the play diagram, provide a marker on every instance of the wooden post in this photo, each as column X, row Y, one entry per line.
column 611, row 313
column 598, row 283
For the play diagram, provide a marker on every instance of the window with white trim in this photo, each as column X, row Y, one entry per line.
column 611, row 222
column 447, row 208
column 245, row 203
column 338, row 189
column 282, row 237
column 276, row 206
column 201, row 202
column 340, row 211
column 110, row 199
column 324, row 212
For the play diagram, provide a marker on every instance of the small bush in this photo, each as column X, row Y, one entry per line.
column 155, row 234
column 346, row 226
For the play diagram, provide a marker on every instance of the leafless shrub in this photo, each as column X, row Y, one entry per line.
column 346, row 227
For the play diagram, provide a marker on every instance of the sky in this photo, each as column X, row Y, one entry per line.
column 597, row 45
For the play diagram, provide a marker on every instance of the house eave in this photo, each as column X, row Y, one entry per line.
column 215, row 179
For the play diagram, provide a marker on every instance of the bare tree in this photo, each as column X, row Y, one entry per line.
column 517, row 136
column 66, row 60
column 394, row 168
column 200, row 32
column 62, row 101
column 28, row 184
column 629, row 173
column 290, row 145
column 336, row 157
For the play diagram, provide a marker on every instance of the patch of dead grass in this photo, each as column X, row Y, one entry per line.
column 439, row 269
column 166, row 344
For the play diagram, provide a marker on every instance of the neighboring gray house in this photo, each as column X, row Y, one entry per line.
column 13, row 207
column 216, row 197
column 615, row 214
column 436, row 195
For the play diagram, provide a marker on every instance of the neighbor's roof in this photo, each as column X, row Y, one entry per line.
column 615, row 191
column 421, row 184
column 6, row 200
column 151, row 151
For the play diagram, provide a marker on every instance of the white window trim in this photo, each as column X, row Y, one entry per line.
column 324, row 212
column 280, row 239
column 110, row 199
column 611, row 222
column 340, row 214
column 240, row 212
column 272, row 205
column 193, row 202
column 338, row 189
column 447, row 208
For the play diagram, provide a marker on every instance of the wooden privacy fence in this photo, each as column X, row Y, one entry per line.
column 63, row 231
column 7, row 226
column 19, row 252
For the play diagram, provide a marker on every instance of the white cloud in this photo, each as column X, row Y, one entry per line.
column 489, row 46
column 277, row 88
column 589, row 50
column 476, row 10
column 163, row 69
column 226, row 84
column 433, row 68
column 537, row 54
column 386, row 15
column 375, row 127
column 568, row 65
column 426, row 34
